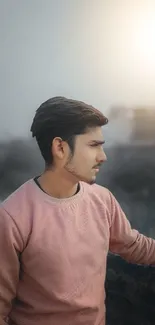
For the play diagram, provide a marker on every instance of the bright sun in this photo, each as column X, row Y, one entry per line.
column 144, row 38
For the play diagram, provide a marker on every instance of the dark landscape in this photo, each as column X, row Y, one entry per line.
column 130, row 175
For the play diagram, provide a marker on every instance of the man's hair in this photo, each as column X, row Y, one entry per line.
column 65, row 118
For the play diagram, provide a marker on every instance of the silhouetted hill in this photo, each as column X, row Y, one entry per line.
column 19, row 160
column 130, row 174
column 130, row 293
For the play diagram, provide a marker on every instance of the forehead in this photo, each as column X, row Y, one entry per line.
column 92, row 134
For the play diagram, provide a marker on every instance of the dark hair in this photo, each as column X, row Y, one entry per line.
column 65, row 118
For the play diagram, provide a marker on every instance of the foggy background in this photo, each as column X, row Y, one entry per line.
column 101, row 52
column 98, row 51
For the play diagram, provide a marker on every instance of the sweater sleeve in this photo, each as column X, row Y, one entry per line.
column 128, row 242
column 10, row 247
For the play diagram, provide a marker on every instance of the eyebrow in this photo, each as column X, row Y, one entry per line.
column 97, row 142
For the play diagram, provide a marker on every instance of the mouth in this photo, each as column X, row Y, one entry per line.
column 97, row 166
column 96, row 169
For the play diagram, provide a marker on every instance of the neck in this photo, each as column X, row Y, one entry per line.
column 57, row 186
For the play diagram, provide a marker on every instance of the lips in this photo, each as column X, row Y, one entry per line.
column 96, row 167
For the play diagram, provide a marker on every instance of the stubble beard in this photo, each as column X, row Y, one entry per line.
column 70, row 169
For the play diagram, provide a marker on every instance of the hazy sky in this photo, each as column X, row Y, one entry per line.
column 99, row 51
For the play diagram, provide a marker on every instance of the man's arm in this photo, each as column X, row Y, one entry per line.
column 10, row 245
column 128, row 242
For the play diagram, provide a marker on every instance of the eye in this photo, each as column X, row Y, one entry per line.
column 94, row 145
column 97, row 145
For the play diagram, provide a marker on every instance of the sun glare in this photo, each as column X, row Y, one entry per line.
column 144, row 39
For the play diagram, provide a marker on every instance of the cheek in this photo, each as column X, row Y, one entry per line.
column 86, row 161
column 83, row 158
column 78, row 163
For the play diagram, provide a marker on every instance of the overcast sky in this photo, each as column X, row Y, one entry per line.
column 99, row 51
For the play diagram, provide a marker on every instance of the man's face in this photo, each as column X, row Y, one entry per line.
column 88, row 156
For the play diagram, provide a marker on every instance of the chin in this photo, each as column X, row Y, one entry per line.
column 93, row 181
column 90, row 181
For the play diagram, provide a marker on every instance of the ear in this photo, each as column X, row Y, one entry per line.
column 58, row 148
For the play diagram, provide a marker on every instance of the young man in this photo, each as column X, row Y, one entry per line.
column 56, row 229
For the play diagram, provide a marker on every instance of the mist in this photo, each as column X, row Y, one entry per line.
column 99, row 51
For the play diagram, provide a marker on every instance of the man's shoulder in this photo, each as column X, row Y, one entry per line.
column 16, row 199
column 16, row 212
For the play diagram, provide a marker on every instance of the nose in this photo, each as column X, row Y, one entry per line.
column 101, row 157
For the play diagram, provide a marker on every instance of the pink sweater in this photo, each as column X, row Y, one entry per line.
column 53, row 255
